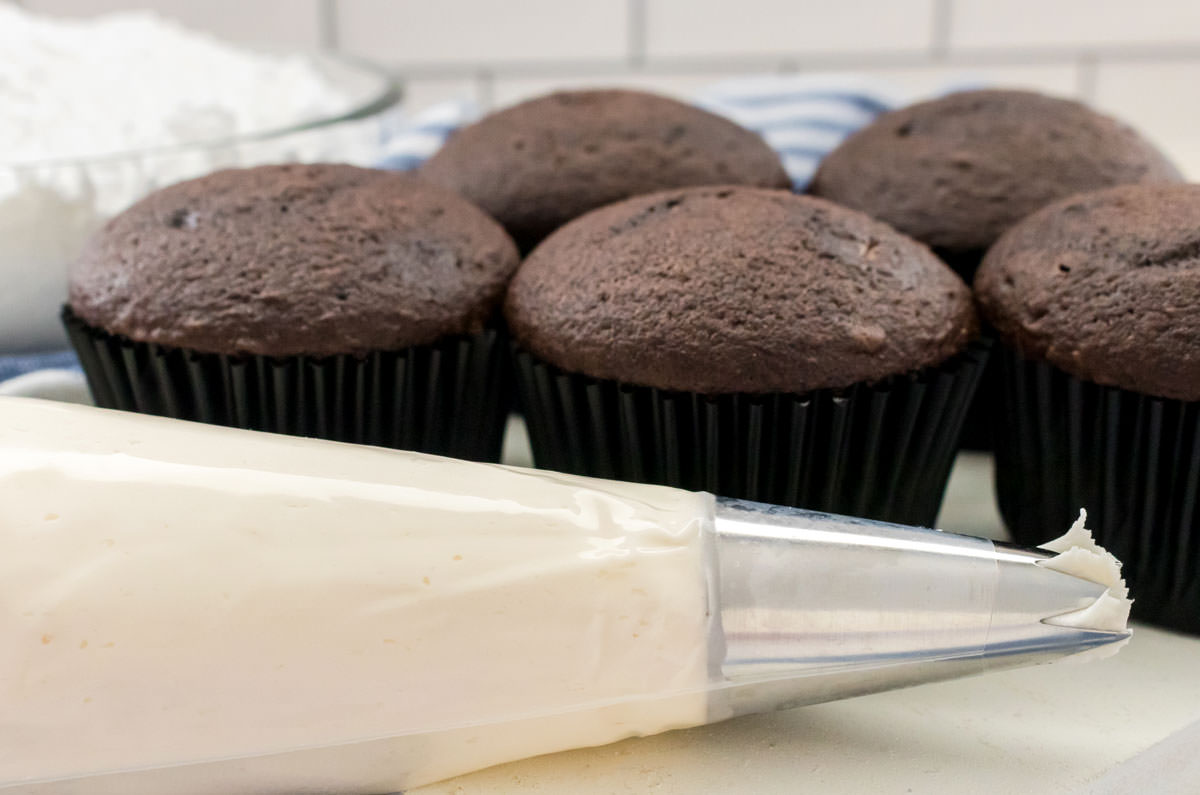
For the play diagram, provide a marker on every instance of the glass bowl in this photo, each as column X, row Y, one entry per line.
column 48, row 208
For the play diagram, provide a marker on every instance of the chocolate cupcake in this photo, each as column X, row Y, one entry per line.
column 956, row 172
column 749, row 342
column 320, row 300
column 537, row 165
column 1096, row 300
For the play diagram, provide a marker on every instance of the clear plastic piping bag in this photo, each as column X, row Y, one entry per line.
column 193, row 609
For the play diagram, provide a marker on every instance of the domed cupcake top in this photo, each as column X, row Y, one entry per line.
column 734, row 289
column 1105, row 286
column 536, row 165
column 295, row 260
column 956, row 172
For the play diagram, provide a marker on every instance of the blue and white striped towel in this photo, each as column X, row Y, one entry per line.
column 803, row 117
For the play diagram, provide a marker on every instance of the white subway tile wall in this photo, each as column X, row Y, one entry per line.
column 1158, row 98
column 679, row 85
column 422, row 92
column 796, row 28
column 471, row 33
column 1140, row 61
column 1074, row 23
column 278, row 23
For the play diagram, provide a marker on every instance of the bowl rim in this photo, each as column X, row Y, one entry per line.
column 386, row 96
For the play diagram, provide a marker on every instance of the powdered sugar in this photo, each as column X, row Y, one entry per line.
column 132, row 81
column 96, row 113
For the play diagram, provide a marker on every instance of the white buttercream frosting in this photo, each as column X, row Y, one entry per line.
column 402, row 617
column 1080, row 556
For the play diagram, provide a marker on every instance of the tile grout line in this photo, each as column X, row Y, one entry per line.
column 636, row 32
column 328, row 24
column 939, row 37
column 773, row 62
column 1086, row 75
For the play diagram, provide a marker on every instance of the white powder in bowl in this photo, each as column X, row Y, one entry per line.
column 93, row 115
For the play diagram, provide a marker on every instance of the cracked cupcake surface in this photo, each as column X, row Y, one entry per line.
column 734, row 289
column 538, row 164
column 1105, row 286
column 956, row 172
column 289, row 260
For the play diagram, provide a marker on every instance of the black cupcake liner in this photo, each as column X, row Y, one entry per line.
column 449, row 398
column 1132, row 460
column 882, row 451
column 980, row 423
column 963, row 262
column 979, row 427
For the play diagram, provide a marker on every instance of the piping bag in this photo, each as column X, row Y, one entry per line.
column 193, row 609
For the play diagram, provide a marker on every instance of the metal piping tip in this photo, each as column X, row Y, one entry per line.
column 815, row 607
column 1030, row 596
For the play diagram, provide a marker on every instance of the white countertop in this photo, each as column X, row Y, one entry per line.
column 1062, row 728
column 1047, row 729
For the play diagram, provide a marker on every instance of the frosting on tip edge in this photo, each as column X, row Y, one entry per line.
column 1080, row 556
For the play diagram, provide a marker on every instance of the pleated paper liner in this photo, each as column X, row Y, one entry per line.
column 1133, row 461
column 979, row 426
column 980, row 423
column 882, row 451
column 449, row 398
